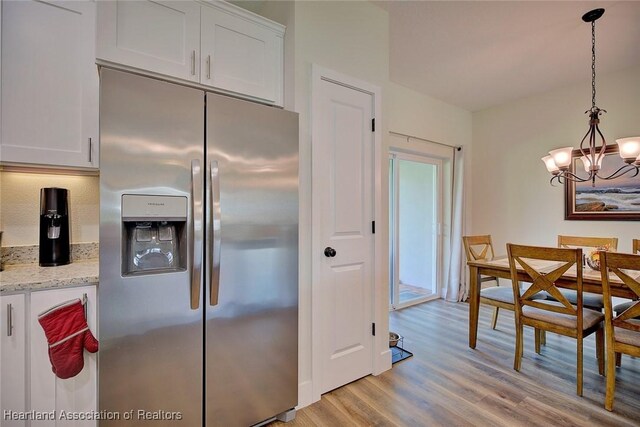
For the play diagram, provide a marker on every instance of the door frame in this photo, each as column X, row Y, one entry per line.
column 380, row 301
column 394, row 226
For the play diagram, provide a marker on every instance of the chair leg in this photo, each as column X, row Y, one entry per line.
column 519, row 343
column 611, row 377
column 579, row 364
column 600, row 350
column 543, row 337
column 494, row 321
column 537, row 334
column 618, row 359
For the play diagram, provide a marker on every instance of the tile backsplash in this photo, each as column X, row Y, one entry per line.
column 20, row 206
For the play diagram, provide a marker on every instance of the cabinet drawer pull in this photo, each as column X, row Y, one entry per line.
column 193, row 62
column 90, row 151
column 209, row 67
column 9, row 320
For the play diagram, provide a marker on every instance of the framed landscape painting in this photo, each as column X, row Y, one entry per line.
column 613, row 200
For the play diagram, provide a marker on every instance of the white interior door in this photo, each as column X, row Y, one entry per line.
column 343, row 247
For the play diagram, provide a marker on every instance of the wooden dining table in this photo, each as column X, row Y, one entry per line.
column 499, row 267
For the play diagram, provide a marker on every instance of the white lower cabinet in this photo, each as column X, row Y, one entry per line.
column 12, row 358
column 72, row 400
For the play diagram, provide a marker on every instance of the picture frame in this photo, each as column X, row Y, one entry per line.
column 614, row 200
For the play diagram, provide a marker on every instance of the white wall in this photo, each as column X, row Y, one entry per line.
column 512, row 199
column 20, row 206
column 415, row 114
column 352, row 38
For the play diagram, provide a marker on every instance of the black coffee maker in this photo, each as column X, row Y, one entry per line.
column 54, row 227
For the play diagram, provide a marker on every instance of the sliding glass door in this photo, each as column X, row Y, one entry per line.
column 415, row 228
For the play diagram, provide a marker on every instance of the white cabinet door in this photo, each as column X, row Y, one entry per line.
column 13, row 334
column 241, row 53
column 49, row 83
column 49, row 393
column 158, row 36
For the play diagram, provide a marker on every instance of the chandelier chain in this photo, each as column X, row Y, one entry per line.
column 593, row 64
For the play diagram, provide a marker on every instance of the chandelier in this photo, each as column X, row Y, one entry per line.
column 558, row 161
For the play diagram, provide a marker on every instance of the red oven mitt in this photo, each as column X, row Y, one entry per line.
column 68, row 334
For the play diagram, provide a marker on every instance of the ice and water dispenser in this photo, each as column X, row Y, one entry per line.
column 154, row 234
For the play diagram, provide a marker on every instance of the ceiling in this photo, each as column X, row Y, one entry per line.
column 479, row 54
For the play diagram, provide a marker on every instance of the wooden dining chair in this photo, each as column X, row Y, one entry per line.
column 635, row 247
column 481, row 247
column 560, row 316
column 590, row 300
column 619, row 308
column 622, row 328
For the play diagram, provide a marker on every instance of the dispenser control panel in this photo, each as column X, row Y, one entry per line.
column 137, row 207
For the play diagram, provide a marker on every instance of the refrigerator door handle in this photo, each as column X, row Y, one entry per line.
column 196, row 232
column 216, row 237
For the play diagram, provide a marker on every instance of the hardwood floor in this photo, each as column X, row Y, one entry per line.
column 446, row 383
column 409, row 292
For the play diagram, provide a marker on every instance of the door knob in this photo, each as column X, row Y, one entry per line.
column 329, row 252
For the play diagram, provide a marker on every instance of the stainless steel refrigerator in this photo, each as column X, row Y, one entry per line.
column 198, row 293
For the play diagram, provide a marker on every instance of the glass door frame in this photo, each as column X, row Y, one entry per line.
column 394, row 227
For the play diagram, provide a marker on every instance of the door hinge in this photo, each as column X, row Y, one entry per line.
column 373, row 329
column 373, row 227
column 373, row 125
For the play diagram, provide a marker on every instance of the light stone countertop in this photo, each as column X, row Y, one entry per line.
column 31, row 277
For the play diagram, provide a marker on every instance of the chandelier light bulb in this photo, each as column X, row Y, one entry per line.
column 562, row 157
column 550, row 164
column 629, row 148
column 586, row 161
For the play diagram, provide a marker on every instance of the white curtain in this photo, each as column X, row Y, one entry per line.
column 457, row 285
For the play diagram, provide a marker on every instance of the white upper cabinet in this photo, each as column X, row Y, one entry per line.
column 241, row 52
column 212, row 43
column 49, row 84
column 158, row 36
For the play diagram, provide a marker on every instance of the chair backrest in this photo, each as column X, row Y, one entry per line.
column 478, row 247
column 526, row 259
column 627, row 268
column 587, row 242
column 635, row 246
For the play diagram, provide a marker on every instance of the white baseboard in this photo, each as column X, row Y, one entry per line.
column 382, row 363
column 305, row 394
